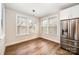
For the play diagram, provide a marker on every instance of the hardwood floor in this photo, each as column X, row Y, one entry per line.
column 38, row 46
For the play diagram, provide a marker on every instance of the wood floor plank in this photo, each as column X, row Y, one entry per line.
column 38, row 46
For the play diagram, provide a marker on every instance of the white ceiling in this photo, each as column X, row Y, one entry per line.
column 41, row 9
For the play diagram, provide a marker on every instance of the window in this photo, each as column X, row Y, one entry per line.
column 49, row 25
column 21, row 25
column 53, row 26
column 45, row 26
column 25, row 25
column 32, row 25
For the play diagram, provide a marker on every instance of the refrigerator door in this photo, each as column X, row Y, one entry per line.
column 64, row 28
column 77, row 29
column 76, row 34
column 72, row 29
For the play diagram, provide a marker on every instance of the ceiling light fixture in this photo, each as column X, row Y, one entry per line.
column 33, row 12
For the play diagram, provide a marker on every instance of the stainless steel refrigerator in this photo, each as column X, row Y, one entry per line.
column 70, row 35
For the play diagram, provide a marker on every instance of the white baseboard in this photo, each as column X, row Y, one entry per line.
column 51, row 38
column 22, row 40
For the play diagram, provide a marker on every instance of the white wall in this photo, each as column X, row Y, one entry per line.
column 10, row 28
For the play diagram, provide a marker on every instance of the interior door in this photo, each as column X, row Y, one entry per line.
column 2, row 40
